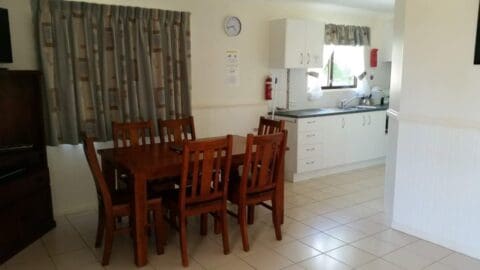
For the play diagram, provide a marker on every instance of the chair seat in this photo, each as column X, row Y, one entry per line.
column 121, row 201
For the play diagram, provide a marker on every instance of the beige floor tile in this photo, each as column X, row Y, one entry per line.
column 379, row 264
column 323, row 262
column 76, row 260
column 299, row 230
column 297, row 251
column 396, row 237
column 460, row 261
column 375, row 246
column 63, row 239
column 293, row 267
column 321, row 223
column 267, row 260
column 172, row 260
column 428, row 250
column 346, row 234
column 367, row 227
column 351, row 256
column 234, row 264
column 299, row 213
column 322, row 242
column 40, row 264
column 407, row 260
column 209, row 254
column 321, row 208
column 439, row 266
column 343, row 216
column 35, row 251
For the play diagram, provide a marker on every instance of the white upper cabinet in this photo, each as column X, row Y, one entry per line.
column 388, row 35
column 296, row 43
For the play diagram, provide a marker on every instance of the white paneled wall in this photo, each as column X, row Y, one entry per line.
column 437, row 184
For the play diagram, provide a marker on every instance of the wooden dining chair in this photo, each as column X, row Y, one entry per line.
column 269, row 126
column 177, row 130
column 203, row 187
column 112, row 205
column 264, row 155
column 132, row 133
column 266, row 126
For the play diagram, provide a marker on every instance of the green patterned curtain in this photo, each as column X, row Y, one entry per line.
column 105, row 63
column 347, row 35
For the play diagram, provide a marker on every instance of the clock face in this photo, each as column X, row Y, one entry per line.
column 233, row 26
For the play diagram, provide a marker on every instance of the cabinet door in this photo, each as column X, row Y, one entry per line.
column 356, row 139
column 378, row 138
column 295, row 56
column 334, row 143
column 315, row 39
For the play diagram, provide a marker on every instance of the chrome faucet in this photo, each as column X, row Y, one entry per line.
column 344, row 102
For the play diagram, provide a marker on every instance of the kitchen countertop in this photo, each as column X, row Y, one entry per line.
column 328, row 111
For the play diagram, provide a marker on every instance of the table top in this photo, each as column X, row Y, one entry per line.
column 159, row 160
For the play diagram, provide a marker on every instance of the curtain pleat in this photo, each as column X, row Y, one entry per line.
column 347, row 35
column 105, row 63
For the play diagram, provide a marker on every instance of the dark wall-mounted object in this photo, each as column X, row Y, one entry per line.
column 477, row 46
column 5, row 43
column 25, row 197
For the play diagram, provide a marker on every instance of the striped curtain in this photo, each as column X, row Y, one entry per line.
column 347, row 35
column 104, row 63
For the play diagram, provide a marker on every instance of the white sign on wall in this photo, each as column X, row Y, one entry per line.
column 232, row 68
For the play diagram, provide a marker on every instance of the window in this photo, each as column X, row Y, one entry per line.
column 342, row 65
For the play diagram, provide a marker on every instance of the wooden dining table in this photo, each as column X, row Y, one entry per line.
column 152, row 162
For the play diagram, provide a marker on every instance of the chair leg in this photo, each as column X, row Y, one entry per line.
column 183, row 239
column 203, row 224
column 251, row 214
column 159, row 230
column 100, row 227
column 242, row 219
column 107, row 249
column 277, row 219
column 224, row 223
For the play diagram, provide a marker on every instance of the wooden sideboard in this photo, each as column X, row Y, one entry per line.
column 25, row 197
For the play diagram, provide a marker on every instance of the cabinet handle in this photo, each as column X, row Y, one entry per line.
column 301, row 58
column 343, row 122
column 310, row 149
column 308, row 58
column 311, row 122
column 369, row 120
column 310, row 162
column 364, row 120
column 310, row 135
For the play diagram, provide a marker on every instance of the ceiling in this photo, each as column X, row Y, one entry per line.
column 375, row 5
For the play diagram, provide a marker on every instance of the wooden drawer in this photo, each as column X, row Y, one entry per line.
column 22, row 186
column 309, row 124
column 309, row 164
column 310, row 150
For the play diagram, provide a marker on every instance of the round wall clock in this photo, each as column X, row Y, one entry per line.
column 233, row 26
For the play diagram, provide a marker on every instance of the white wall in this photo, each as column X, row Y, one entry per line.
column 217, row 109
column 437, row 187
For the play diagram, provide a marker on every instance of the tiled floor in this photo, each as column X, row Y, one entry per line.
column 333, row 222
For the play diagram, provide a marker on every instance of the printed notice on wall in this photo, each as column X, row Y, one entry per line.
column 232, row 68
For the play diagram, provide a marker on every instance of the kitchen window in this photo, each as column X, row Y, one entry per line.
column 342, row 65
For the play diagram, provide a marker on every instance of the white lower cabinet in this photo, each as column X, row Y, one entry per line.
column 320, row 144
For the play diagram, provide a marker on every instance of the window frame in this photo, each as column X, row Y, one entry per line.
column 330, row 85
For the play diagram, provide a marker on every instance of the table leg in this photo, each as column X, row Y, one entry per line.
column 140, row 219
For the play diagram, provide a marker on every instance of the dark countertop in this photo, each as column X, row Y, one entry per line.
column 327, row 111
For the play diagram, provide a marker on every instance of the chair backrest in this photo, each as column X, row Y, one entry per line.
column 205, row 170
column 177, row 130
column 103, row 192
column 268, row 126
column 264, row 157
column 132, row 133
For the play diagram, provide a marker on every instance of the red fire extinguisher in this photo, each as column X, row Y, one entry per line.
column 373, row 58
column 268, row 88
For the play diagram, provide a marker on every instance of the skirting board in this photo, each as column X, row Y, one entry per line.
column 442, row 241
column 297, row 177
